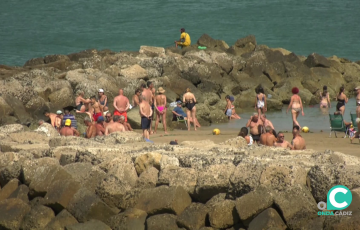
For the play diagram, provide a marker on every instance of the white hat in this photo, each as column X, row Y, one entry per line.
column 101, row 90
column 358, row 87
column 59, row 112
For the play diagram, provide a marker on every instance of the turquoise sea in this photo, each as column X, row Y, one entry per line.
column 31, row 29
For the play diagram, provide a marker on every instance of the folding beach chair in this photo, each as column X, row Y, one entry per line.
column 180, row 119
column 353, row 120
column 337, row 124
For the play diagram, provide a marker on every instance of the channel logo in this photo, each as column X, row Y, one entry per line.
column 339, row 198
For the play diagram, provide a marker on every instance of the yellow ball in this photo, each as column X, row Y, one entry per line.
column 305, row 129
column 216, row 131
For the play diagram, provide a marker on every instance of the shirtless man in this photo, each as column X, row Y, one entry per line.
column 135, row 99
column 255, row 125
column 266, row 122
column 281, row 142
column 91, row 128
column 298, row 142
column 228, row 110
column 100, row 129
column 160, row 108
column 55, row 119
column 268, row 138
column 67, row 130
column 126, row 125
column 96, row 108
column 108, row 119
column 149, row 94
column 121, row 104
column 145, row 114
column 115, row 126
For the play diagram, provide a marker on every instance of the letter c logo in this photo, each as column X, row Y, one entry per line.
column 343, row 198
column 332, row 198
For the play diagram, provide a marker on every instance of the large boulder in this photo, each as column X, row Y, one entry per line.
column 243, row 45
column 178, row 176
column 268, row 219
column 193, row 217
column 213, row 180
column 130, row 219
column 12, row 212
column 148, row 160
column 89, row 225
column 61, row 98
column 37, row 218
column 223, row 215
column 64, row 218
column 9, row 188
column 28, row 168
column 134, row 72
column 162, row 222
column 316, row 60
column 85, row 206
column 148, row 179
column 152, row 51
column 21, row 193
column 163, row 199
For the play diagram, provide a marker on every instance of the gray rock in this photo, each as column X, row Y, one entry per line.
column 64, row 218
column 9, row 172
column 223, row 214
column 21, row 193
column 163, row 199
column 148, row 179
column 85, row 206
column 215, row 199
column 12, row 212
column 213, row 180
column 316, row 60
column 29, row 167
column 130, row 219
column 252, row 203
column 178, row 176
column 37, row 218
column 193, row 217
column 59, row 194
column 90, row 225
column 162, row 222
column 8, row 189
column 268, row 219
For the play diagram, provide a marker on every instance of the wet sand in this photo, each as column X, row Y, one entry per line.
column 318, row 141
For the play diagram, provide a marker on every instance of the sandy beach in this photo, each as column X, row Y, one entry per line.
column 318, row 141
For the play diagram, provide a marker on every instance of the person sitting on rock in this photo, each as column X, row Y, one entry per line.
column 244, row 133
column 121, row 104
column 281, row 142
column 108, row 119
column 116, row 126
column 96, row 108
column 82, row 104
column 126, row 125
column 91, row 128
column 255, row 125
column 67, row 130
column 68, row 115
column 100, row 129
column 103, row 100
column 135, row 99
column 179, row 112
column 184, row 41
column 268, row 138
column 298, row 141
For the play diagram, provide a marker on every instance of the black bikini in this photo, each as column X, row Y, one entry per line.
column 340, row 104
column 78, row 107
column 189, row 105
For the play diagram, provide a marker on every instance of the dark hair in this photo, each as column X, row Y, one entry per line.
column 182, row 29
column 148, row 83
column 143, row 86
column 324, row 93
column 45, row 112
column 243, row 132
column 341, row 90
column 260, row 90
column 227, row 97
column 93, row 97
column 137, row 91
column 66, row 111
column 116, row 118
column 325, row 87
column 296, row 127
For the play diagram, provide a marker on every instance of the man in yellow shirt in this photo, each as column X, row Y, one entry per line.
column 184, row 39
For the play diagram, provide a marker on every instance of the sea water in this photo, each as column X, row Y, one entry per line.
column 30, row 29
column 315, row 118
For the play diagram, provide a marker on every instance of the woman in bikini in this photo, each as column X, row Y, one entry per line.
column 260, row 101
column 296, row 106
column 234, row 115
column 325, row 98
column 190, row 102
column 160, row 108
column 103, row 101
column 82, row 104
column 342, row 100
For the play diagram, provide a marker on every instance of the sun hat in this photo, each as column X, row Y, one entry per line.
column 59, row 112
column 67, row 122
column 161, row 90
column 101, row 91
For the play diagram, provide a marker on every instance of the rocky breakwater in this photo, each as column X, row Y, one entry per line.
column 51, row 82
column 121, row 182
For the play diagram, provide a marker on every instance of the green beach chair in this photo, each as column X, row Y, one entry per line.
column 353, row 120
column 337, row 124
